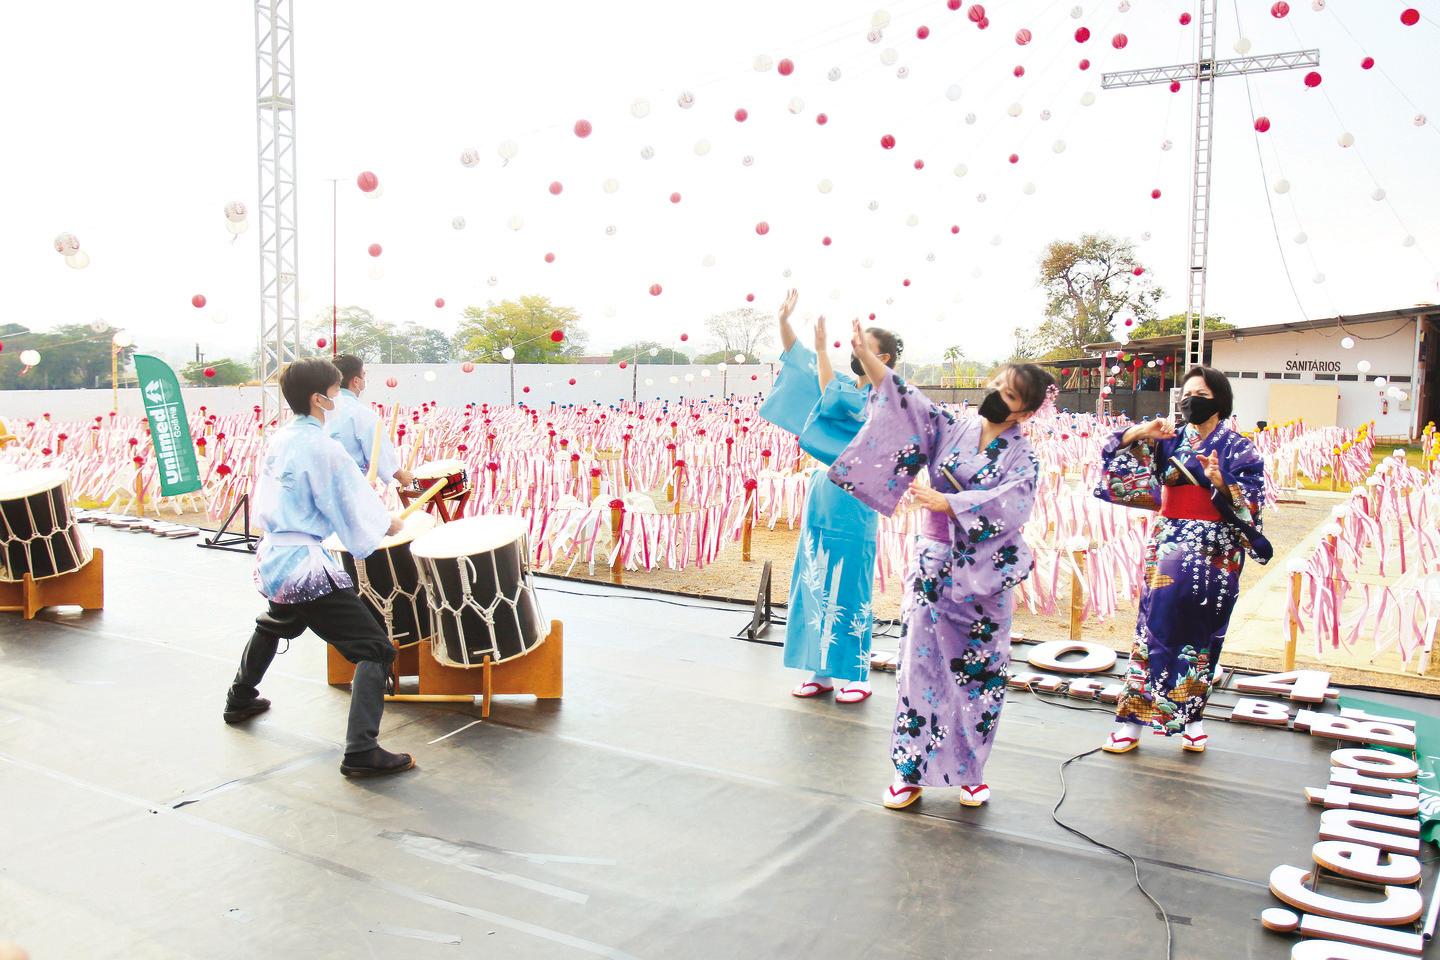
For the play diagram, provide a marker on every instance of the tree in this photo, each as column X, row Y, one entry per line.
column 424, row 345
column 1173, row 326
column 745, row 331
column 525, row 325
column 227, row 373
column 71, row 355
column 713, row 357
column 639, row 352
column 1087, row 285
column 357, row 332
column 953, row 356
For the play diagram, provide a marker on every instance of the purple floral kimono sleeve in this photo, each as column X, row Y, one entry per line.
column 989, row 553
column 898, row 440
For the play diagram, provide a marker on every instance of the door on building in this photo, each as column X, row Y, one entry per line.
column 1427, row 390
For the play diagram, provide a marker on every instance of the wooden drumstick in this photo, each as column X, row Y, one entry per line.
column 394, row 418
column 375, row 451
column 415, row 450
column 424, row 498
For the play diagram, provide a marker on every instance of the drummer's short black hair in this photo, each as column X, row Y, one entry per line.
column 350, row 367
column 303, row 379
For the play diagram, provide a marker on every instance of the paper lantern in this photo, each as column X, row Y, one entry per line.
column 508, row 353
column 469, row 157
column 1367, row 63
column 197, row 301
column 785, row 67
column 1019, row 71
column 976, row 13
column 321, row 342
column 583, row 128
column 762, row 228
column 429, row 376
column 685, row 100
column 834, row 74
column 654, row 351
column 572, row 383
column 919, row 164
column 1174, row 86
column 796, row 105
column 1410, row 16
column 825, row 186
column 1130, row 321
column 457, row 223
column 1282, row 186
column 1058, row 146
column 549, row 258
column 374, row 251
column 1346, row 139
column 1084, row 64
column 922, row 32
column 825, row 241
column 684, row 337
column 1014, row 158
column 367, row 181
column 555, row 187
column 524, row 389
column 984, row 23
column 1184, row 19
column 80, row 259
column 952, row 92
column 1155, row 194
column 749, row 298
column 1138, row 271
column 1279, row 9
column 887, row 142
column 467, row 367
column 821, row 119
column 439, row 303
column 209, row 372
column 742, row 115
column 391, row 382
column 1119, row 41
column 655, row 289
column 1082, row 34
column 1312, row 79
column 1363, row 366
column 1301, row 237
column 1242, row 46
column 508, row 150
column 557, row 336
column 1262, row 124
column 1015, row 109
column 29, row 357
column 1023, row 36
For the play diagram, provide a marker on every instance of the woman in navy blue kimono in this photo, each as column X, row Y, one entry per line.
column 1208, row 483
column 828, row 625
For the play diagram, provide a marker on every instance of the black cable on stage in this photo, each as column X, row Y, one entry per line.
column 1055, row 815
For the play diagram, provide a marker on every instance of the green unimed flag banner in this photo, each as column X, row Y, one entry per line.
column 169, row 430
column 1427, row 754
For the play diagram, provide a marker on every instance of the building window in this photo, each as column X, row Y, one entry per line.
column 1399, row 379
column 1231, row 374
column 1249, row 375
column 1271, row 376
column 1324, row 376
column 1291, row 376
column 1347, row 377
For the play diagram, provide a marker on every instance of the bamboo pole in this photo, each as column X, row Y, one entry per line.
column 1294, row 623
column 1077, row 594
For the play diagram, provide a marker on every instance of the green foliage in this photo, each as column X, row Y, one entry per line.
column 525, row 325
column 714, row 357
column 639, row 352
column 227, row 373
column 72, row 355
column 361, row 334
column 1088, row 284
column 1173, row 326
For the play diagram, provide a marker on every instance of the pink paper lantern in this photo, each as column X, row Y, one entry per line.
column 391, row 382
column 742, row 115
column 684, row 337
column 555, row 187
column 1410, row 16
column 1019, row 71
column 762, row 228
column 373, row 249
column 1082, row 34
column 1155, row 194
column 439, row 303
column 785, row 67
column 321, row 343
column 922, row 32
column 1014, row 158
column 1367, row 63
column 825, row 241
column 1085, row 64
column 367, row 181
column 549, row 258
column 976, row 13
column 1312, row 79
column 583, row 128
column 919, row 164
column 1119, row 41
column 197, row 301
column 1174, row 86
column 674, row 198
column 1279, row 9
column 1184, row 19
column 467, row 367
column 1262, row 124
column 1023, row 36
column 821, row 119
column 655, row 289
column 887, row 142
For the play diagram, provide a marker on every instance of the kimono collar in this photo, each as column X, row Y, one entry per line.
column 309, row 421
column 347, row 393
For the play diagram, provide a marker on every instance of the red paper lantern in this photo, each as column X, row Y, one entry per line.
column 367, row 181
column 1279, row 9
column 762, row 228
column 209, row 371
column 654, row 289
column 919, row 164
column 954, row 4
column 524, row 389
column 623, row 364
column 749, row 298
column 1130, row 322
column 583, row 128
column 373, row 249
column 1082, row 34
column 1155, row 194
column 821, row 119
column 439, row 303
column 1019, row 71
column 785, row 67
column 555, row 187
column 1138, row 271
column 572, row 383
column 1410, row 16
column 1312, row 79
column 683, row 338
column 1014, row 158
column 1064, row 371
column 557, row 335
column 872, row 316
column 1119, row 41
column 922, row 32
column 1262, row 124
column 1367, row 63
column 837, row 344
column 1085, row 64
column 197, row 301
column 467, row 367
column 754, row 377
column 955, row 228
column 905, row 282
column 984, row 23
column 887, row 141
column 976, row 13
column 1184, row 19
column 321, row 343
column 742, row 115
column 549, row 258
column 674, row 198
column 1023, row 36
column 1174, row 86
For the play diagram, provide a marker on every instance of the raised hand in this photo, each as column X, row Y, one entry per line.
column 1211, row 465
column 787, row 306
column 857, row 339
column 820, row 338
column 1160, row 429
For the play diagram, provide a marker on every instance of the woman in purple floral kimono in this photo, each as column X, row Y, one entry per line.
column 1208, row 482
column 955, row 641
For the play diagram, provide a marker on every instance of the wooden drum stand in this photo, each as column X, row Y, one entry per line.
column 83, row 588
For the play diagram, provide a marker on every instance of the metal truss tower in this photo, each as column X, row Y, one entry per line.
column 1203, row 73
column 279, row 241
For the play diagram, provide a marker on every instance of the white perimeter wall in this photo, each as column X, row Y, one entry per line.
column 489, row 383
column 1391, row 354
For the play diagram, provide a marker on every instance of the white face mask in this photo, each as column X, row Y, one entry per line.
column 327, row 404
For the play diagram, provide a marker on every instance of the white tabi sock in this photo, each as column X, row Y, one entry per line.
column 1196, row 729
column 1127, row 730
column 821, row 679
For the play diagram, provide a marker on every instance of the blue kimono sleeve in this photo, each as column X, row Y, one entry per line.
column 1128, row 476
column 896, row 442
column 796, row 390
column 346, row 500
column 834, row 422
column 365, row 420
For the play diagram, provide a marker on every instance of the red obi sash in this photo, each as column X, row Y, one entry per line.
column 1187, row 502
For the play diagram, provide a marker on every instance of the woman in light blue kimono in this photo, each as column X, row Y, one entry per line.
column 969, row 555
column 828, row 626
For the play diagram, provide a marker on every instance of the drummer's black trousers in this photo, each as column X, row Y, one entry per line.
column 343, row 621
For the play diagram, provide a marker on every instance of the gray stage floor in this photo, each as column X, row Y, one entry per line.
column 676, row 803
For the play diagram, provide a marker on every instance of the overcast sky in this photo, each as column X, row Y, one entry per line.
column 132, row 127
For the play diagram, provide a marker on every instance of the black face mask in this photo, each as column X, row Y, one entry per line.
column 1196, row 409
column 855, row 366
column 994, row 408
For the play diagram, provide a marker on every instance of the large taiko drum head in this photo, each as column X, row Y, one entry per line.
column 389, row 584
column 476, row 573
column 38, row 535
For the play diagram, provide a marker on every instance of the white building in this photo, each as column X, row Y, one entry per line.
column 1329, row 371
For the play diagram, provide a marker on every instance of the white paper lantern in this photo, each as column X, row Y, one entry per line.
column 640, row 109
column 739, row 358
column 1028, row 189
column 1145, row 235
column 1076, row 13
column 1395, row 393
column 686, row 100
column 1379, row 194
column 747, row 160
column 429, row 376
column 977, row 273
column 708, row 260
column 960, row 171
column 1409, row 241
column 649, row 381
column 507, row 353
column 1301, row 237
column 888, row 56
column 763, row 63
column 654, row 351
column 1087, row 99
column 1363, row 366
column 469, row 157
column 1319, row 278
column 912, row 220
column 980, row 198
column 1347, row 343
column 873, row 205
column 515, row 222
column 1381, row 381
column 1419, row 120
column 235, row 211
column 970, row 119
column 834, row 73
column 702, row 147
column 1015, row 109
column 1346, row 139
column 508, row 150
column 1242, row 46
column 1044, row 114
column 1317, row 5
column 1124, row 6
column 1166, row 145
column 610, row 230
column 457, row 223
column 930, row 257
column 29, row 357
column 492, row 280
column 825, row 186
column 785, row 273
column 1058, row 146
column 80, row 260
column 705, row 373
column 874, row 36
column 867, row 263
column 796, row 105
column 66, row 244
column 952, row 92
column 689, row 378
column 902, row 73
column 610, row 185
column 995, row 240
column 647, row 152
column 1282, row 186
column 835, row 294
column 879, row 20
